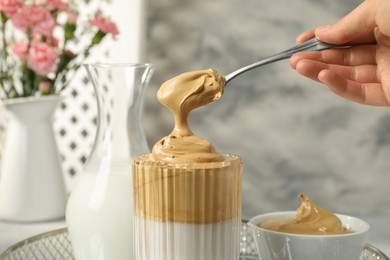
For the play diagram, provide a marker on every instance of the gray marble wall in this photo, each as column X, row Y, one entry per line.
column 294, row 134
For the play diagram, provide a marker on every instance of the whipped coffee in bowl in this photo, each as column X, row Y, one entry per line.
column 310, row 219
column 309, row 233
column 187, row 196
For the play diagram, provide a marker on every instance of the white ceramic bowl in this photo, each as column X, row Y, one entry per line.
column 273, row 245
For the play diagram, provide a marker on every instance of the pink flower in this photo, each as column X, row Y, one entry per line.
column 45, row 27
column 53, row 41
column 20, row 49
column 45, row 86
column 56, row 5
column 69, row 53
column 72, row 17
column 10, row 7
column 37, row 18
column 42, row 58
column 105, row 26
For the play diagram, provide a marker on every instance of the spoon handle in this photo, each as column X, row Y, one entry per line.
column 311, row 45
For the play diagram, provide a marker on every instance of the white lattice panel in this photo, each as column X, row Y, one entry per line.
column 75, row 127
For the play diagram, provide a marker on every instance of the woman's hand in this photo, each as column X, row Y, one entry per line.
column 360, row 73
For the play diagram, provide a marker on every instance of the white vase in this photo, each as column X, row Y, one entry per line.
column 31, row 181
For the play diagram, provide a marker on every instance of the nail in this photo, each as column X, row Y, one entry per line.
column 322, row 28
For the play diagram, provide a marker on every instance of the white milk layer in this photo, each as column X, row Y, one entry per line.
column 185, row 241
column 100, row 217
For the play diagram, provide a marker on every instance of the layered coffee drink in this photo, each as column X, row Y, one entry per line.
column 187, row 195
column 310, row 219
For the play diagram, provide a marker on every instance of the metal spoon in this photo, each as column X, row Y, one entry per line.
column 311, row 45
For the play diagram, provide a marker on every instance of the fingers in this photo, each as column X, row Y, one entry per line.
column 358, row 55
column 382, row 17
column 360, row 22
column 356, row 27
column 364, row 93
column 305, row 36
column 383, row 54
column 362, row 73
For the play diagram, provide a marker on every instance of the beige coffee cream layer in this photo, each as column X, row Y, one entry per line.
column 310, row 219
column 191, row 193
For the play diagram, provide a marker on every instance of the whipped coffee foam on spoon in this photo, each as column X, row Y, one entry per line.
column 181, row 95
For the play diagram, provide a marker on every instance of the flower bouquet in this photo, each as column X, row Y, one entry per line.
column 43, row 43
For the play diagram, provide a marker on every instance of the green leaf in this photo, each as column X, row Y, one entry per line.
column 12, row 93
column 98, row 37
column 3, row 17
column 69, row 30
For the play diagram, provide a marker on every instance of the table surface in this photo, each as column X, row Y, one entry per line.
column 11, row 233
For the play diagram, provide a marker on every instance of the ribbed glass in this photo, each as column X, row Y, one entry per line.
column 187, row 211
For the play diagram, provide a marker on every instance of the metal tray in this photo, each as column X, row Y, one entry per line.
column 56, row 245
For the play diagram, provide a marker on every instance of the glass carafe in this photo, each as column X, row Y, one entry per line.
column 100, row 209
